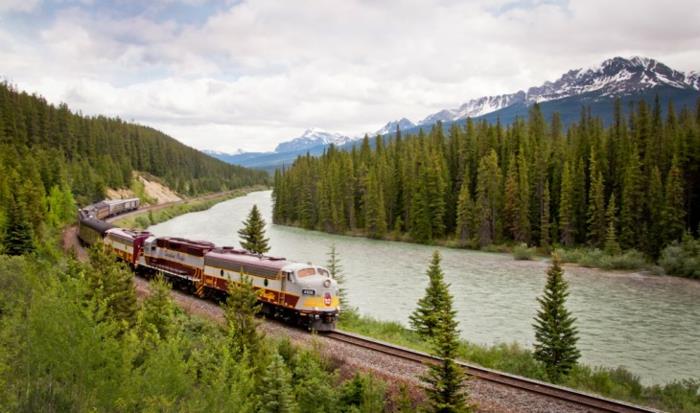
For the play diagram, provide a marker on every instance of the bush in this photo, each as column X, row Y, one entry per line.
column 523, row 253
column 682, row 258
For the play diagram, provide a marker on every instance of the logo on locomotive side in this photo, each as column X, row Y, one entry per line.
column 327, row 299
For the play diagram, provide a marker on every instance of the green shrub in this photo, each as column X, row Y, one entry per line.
column 682, row 258
column 596, row 258
column 523, row 253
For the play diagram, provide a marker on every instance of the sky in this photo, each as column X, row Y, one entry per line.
column 247, row 75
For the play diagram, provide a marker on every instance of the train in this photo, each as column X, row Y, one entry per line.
column 299, row 293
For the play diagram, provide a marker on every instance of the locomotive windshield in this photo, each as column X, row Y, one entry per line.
column 323, row 272
column 305, row 272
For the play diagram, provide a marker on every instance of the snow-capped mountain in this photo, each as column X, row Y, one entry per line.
column 390, row 127
column 632, row 79
column 614, row 77
column 310, row 138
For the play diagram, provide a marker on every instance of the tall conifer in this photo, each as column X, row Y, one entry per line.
column 240, row 309
column 445, row 380
column 253, row 233
column 596, row 205
column 555, row 333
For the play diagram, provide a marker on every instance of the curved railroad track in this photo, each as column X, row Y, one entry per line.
column 534, row 386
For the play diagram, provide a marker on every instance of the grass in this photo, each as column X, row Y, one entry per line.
column 596, row 258
column 147, row 218
column 617, row 383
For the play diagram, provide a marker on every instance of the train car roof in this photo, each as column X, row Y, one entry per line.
column 117, row 201
column 232, row 258
column 96, row 224
column 130, row 234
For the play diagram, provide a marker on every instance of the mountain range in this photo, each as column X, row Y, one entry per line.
column 594, row 87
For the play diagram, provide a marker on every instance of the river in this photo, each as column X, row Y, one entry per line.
column 648, row 324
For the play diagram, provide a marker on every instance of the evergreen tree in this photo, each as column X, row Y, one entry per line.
column 674, row 208
column 240, row 309
column 465, row 228
column 158, row 309
column 555, row 333
column 545, row 223
column 511, row 201
column 424, row 318
column 276, row 395
column 488, row 198
column 632, row 201
column 336, row 271
column 445, row 380
column 253, row 233
column 596, row 206
column 524, row 227
column 612, row 247
column 18, row 238
column 375, row 213
column 567, row 223
column 655, row 210
column 112, row 286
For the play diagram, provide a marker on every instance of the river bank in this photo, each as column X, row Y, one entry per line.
column 647, row 324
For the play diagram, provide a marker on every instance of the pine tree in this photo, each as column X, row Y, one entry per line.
column 253, row 233
column 158, row 309
column 674, row 211
column 511, row 201
column 555, row 333
column 655, row 211
column 488, row 198
column 336, row 271
column 545, row 223
column 465, row 228
column 596, row 206
column 631, row 201
column 375, row 213
column 18, row 238
column 276, row 395
column 612, row 247
column 567, row 225
column 240, row 309
column 524, row 226
column 112, row 286
column 423, row 319
column 445, row 380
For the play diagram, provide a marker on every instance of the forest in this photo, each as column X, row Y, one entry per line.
column 52, row 159
column 630, row 185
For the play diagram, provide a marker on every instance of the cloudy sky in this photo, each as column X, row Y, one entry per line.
column 229, row 75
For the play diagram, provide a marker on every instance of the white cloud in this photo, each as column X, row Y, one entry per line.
column 18, row 5
column 262, row 71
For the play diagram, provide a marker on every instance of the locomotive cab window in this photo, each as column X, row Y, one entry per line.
column 306, row 272
column 323, row 272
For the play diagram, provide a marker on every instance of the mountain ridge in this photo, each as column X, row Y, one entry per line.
column 616, row 77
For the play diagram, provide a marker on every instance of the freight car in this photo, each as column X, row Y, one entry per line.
column 91, row 230
column 111, row 207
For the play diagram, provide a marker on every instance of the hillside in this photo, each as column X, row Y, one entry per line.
column 52, row 158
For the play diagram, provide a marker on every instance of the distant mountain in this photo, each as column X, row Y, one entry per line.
column 390, row 127
column 311, row 138
column 313, row 141
column 614, row 77
column 631, row 80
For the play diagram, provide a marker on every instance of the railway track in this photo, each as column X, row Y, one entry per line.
column 534, row 386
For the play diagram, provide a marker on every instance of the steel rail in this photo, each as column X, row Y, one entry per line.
column 534, row 386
